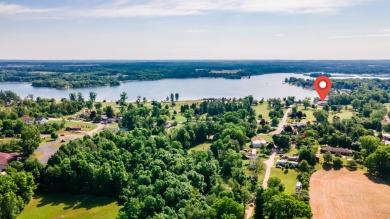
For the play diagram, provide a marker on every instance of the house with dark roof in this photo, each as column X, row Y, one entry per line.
column 74, row 128
column 342, row 151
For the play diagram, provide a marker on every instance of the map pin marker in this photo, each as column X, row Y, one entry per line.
column 323, row 85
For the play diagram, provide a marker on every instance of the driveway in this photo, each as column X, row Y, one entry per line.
column 270, row 162
column 48, row 152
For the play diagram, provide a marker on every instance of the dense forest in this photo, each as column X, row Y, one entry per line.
column 77, row 74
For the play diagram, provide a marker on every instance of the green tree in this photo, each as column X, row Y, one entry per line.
column 54, row 135
column 177, row 96
column 227, row 206
column 378, row 163
column 92, row 96
column 306, row 103
column 109, row 112
column 189, row 114
column 337, row 163
column 321, row 116
column 259, row 203
column 328, row 158
column 369, row 144
column 282, row 141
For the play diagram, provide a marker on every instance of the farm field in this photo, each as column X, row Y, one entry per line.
column 348, row 194
column 60, row 205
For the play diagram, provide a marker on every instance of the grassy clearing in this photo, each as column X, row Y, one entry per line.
column 200, row 147
column 263, row 110
column 289, row 179
column 7, row 140
column 58, row 145
column 38, row 154
column 344, row 114
column 86, row 127
column 309, row 114
column 267, row 138
column 50, row 206
column 387, row 105
column 248, row 172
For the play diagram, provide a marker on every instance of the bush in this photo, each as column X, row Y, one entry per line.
column 352, row 163
column 337, row 163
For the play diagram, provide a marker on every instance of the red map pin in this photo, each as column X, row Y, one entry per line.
column 323, row 85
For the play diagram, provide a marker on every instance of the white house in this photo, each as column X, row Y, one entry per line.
column 40, row 120
column 253, row 153
column 258, row 142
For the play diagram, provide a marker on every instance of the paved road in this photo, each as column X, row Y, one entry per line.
column 48, row 152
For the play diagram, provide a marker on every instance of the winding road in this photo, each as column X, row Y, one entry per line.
column 48, row 152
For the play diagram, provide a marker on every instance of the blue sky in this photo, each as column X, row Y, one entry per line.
column 203, row 29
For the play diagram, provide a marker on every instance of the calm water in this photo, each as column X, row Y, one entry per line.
column 266, row 86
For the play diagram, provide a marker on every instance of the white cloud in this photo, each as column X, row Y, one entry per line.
column 12, row 9
column 157, row 8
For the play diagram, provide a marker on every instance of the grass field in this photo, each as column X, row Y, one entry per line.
column 49, row 206
column 344, row 114
column 86, row 126
column 200, row 147
column 7, row 140
column 37, row 154
column 289, row 179
column 263, row 110
column 348, row 194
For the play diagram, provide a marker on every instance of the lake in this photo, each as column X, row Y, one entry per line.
column 267, row 86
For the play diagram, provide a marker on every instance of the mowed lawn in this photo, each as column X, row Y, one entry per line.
column 263, row 110
column 200, row 147
column 289, row 179
column 58, row 205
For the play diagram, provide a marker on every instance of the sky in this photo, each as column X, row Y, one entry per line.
column 202, row 29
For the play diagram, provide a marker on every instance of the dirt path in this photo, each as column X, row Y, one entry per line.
column 250, row 211
column 270, row 162
column 281, row 124
column 48, row 152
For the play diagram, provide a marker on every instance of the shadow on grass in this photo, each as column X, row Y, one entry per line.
column 326, row 167
column 377, row 180
column 72, row 201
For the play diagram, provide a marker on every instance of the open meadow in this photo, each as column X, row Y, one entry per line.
column 348, row 194
column 58, row 205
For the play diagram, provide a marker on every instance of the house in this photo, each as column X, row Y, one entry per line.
column 299, row 125
column 253, row 152
column 282, row 163
column 386, row 137
column 345, row 91
column 168, row 125
column 27, row 120
column 258, row 142
column 74, row 128
column 322, row 103
column 298, row 187
column 342, row 151
column 40, row 120
column 6, row 158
